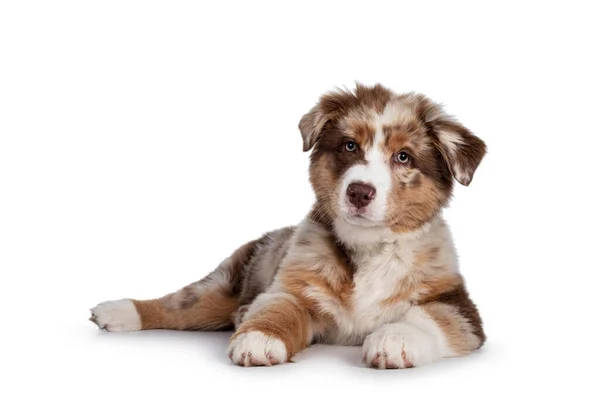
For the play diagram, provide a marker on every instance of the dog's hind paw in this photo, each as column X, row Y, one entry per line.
column 116, row 316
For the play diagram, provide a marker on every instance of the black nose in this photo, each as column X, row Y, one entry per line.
column 360, row 194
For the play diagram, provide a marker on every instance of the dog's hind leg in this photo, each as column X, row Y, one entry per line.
column 208, row 304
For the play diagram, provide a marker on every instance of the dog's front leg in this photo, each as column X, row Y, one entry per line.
column 426, row 333
column 275, row 327
column 401, row 345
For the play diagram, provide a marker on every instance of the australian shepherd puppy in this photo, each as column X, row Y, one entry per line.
column 373, row 262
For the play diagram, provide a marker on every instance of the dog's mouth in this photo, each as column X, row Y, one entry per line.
column 360, row 217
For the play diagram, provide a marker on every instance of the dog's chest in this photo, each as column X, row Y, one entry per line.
column 374, row 301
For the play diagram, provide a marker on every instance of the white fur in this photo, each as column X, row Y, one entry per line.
column 384, row 259
column 451, row 141
column 355, row 235
column 256, row 348
column 375, row 172
column 419, row 318
column 396, row 112
column 116, row 316
column 382, row 266
column 416, row 340
column 399, row 345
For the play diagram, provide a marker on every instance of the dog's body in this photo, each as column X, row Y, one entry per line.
column 373, row 263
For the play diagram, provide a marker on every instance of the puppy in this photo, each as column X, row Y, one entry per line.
column 373, row 262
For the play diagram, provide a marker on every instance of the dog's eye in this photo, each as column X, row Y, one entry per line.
column 350, row 145
column 402, row 157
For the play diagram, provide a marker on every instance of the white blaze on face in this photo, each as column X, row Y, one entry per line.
column 375, row 172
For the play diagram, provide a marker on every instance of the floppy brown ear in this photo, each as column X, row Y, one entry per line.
column 311, row 125
column 331, row 106
column 462, row 150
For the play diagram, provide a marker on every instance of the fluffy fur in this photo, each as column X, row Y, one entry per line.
column 378, row 271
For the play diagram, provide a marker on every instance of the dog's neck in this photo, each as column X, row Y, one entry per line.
column 359, row 237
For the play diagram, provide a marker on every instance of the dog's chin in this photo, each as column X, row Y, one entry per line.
column 361, row 219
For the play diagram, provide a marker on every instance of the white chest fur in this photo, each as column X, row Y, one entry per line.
column 379, row 270
column 385, row 267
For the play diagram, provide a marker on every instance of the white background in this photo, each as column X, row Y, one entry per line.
column 141, row 142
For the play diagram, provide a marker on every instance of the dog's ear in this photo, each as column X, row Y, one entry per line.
column 331, row 106
column 311, row 125
column 461, row 150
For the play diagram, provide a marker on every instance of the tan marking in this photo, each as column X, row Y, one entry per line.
column 458, row 330
column 361, row 129
column 395, row 142
column 297, row 280
column 421, row 284
column 335, row 105
column 332, row 276
column 324, row 184
column 284, row 320
column 410, row 206
column 212, row 311
column 426, row 257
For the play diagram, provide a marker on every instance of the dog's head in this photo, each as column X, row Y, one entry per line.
column 386, row 160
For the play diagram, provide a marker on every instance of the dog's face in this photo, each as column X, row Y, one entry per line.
column 382, row 159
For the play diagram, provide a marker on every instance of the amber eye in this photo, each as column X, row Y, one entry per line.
column 351, row 145
column 402, row 157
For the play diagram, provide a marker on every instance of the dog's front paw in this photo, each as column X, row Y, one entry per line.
column 399, row 346
column 254, row 348
column 116, row 316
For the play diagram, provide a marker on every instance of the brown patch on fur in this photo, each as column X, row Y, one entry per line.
column 444, row 297
column 459, row 298
column 426, row 257
column 340, row 257
column 467, row 156
column 232, row 269
column 211, row 312
column 297, row 279
column 459, row 331
column 329, row 161
column 284, row 320
column 415, row 287
column 439, row 284
column 458, row 317
column 423, row 184
column 331, row 276
column 337, row 104
column 397, row 139
column 323, row 178
column 333, row 145
column 239, row 259
column 410, row 206
column 267, row 257
column 361, row 130
column 427, row 279
column 340, row 103
column 375, row 97
column 424, row 156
